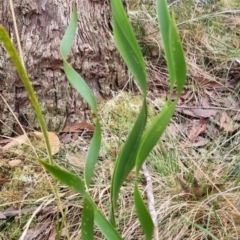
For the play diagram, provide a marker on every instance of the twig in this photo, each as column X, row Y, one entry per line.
column 149, row 191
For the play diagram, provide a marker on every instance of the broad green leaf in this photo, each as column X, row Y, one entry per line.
column 4, row 37
column 74, row 78
column 127, row 45
column 87, row 221
column 143, row 214
column 77, row 184
column 178, row 58
column 165, row 23
column 127, row 156
column 92, row 156
column 69, row 179
column 153, row 133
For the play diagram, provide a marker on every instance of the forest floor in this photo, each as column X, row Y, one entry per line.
column 195, row 167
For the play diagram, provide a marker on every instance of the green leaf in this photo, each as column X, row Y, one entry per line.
column 77, row 184
column 143, row 214
column 74, row 78
column 153, row 133
column 87, row 221
column 69, row 35
column 81, row 86
column 92, row 154
column 127, row 45
column 4, row 37
column 105, row 227
column 70, row 179
column 165, row 23
column 178, row 58
column 127, row 156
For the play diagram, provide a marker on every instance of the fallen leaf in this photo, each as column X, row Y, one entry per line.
column 204, row 113
column 226, row 123
column 75, row 136
column 209, row 83
column 78, row 127
column 5, row 140
column 198, row 127
column 3, row 180
column 53, row 139
column 17, row 141
column 44, row 230
column 236, row 117
column 15, row 163
column 23, row 139
column 172, row 129
column 198, row 142
column 2, row 216
column 185, row 110
column 66, row 138
column 131, row 176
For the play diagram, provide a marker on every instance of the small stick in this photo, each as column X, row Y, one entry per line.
column 150, row 196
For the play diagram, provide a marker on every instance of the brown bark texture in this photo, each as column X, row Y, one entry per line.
column 41, row 25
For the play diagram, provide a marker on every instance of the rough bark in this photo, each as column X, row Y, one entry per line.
column 41, row 26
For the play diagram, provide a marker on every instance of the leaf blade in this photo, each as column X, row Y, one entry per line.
column 92, row 156
column 4, row 37
column 73, row 77
column 126, row 159
column 178, row 58
column 77, row 184
column 164, row 23
column 87, row 221
column 143, row 214
column 153, row 133
column 127, row 45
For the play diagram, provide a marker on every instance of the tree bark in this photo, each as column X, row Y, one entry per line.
column 41, row 25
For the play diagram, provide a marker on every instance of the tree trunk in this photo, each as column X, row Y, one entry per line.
column 41, row 25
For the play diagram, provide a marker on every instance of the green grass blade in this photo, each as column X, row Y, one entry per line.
column 4, row 37
column 153, row 133
column 127, row 45
column 87, row 221
column 165, row 22
column 92, row 156
column 143, row 214
column 74, row 78
column 77, row 184
column 69, row 35
column 178, row 58
column 126, row 159
column 208, row 233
